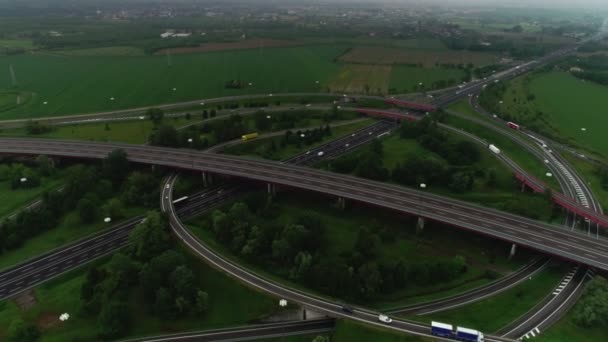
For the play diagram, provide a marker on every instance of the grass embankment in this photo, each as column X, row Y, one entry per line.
column 483, row 256
column 514, row 151
column 568, row 105
column 262, row 146
column 63, row 295
column 493, row 313
column 565, row 330
column 588, row 173
column 69, row 229
column 12, row 200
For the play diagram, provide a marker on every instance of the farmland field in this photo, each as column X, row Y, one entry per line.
column 104, row 51
column 574, row 107
column 404, row 78
column 359, row 78
column 69, row 84
column 428, row 58
column 16, row 43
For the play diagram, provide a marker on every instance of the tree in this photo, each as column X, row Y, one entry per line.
column 20, row 331
column 46, row 167
column 114, row 209
column 149, row 238
column 202, row 302
column 163, row 304
column 116, row 167
column 155, row 274
column 166, row 135
column 156, row 115
column 114, row 320
column 302, row 263
column 182, row 281
column 370, row 279
column 592, row 309
column 461, row 182
column 87, row 209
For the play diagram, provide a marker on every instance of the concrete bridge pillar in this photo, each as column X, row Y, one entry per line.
column 420, row 224
column 341, row 203
column 272, row 189
column 206, row 179
column 513, row 250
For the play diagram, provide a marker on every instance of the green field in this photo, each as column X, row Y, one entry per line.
column 16, row 43
column 104, row 51
column 70, row 84
column 491, row 314
column 62, row 295
column 568, row 106
column 404, row 78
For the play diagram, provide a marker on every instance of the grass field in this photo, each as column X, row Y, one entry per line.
column 347, row 331
column 360, row 78
column 62, row 295
column 16, row 43
column 68, row 230
column 404, row 78
column 12, row 200
column 104, row 51
column 568, row 104
column 70, row 84
column 428, row 58
column 491, row 314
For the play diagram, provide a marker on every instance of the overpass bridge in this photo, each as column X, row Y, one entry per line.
column 551, row 239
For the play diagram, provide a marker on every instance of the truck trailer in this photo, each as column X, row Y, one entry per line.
column 442, row 329
column 460, row 334
column 494, row 149
column 513, row 125
column 468, row 335
column 249, row 136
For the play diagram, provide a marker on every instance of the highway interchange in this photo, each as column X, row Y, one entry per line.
column 422, row 203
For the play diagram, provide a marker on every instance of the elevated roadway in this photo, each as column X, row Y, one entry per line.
column 552, row 239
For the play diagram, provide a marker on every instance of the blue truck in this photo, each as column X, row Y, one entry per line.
column 460, row 334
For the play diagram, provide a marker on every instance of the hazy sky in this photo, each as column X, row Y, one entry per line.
column 529, row 3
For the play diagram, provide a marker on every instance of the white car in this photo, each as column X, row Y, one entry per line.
column 320, row 154
column 385, row 319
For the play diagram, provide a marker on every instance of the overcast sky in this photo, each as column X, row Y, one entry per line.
column 534, row 3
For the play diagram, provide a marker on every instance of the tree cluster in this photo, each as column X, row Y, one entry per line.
column 150, row 266
column 297, row 250
column 592, row 309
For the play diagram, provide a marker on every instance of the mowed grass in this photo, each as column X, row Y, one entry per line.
column 573, row 104
column 428, row 58
column 74, row 84
column 493, row 313
column 230, row 304
column 68, row 230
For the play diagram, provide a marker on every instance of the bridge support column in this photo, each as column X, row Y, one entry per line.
column 206, row 179
column 272, row 189
column 341, row 203
column 523, row 187
column 420, row 224
column 513, row 250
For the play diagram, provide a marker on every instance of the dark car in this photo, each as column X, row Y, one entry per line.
column 348, row 309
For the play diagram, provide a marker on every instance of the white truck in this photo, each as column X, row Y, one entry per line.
column 494, row 149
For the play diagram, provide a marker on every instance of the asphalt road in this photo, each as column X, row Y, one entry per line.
column 548, row 238
column 249, row 332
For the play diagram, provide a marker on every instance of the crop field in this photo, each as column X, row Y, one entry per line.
column 16, row 43
column 70, row 84
column 404, row 78
column 359, row 78
column 428, row 58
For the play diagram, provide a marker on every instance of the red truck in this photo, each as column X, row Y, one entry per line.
column 512, row 125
